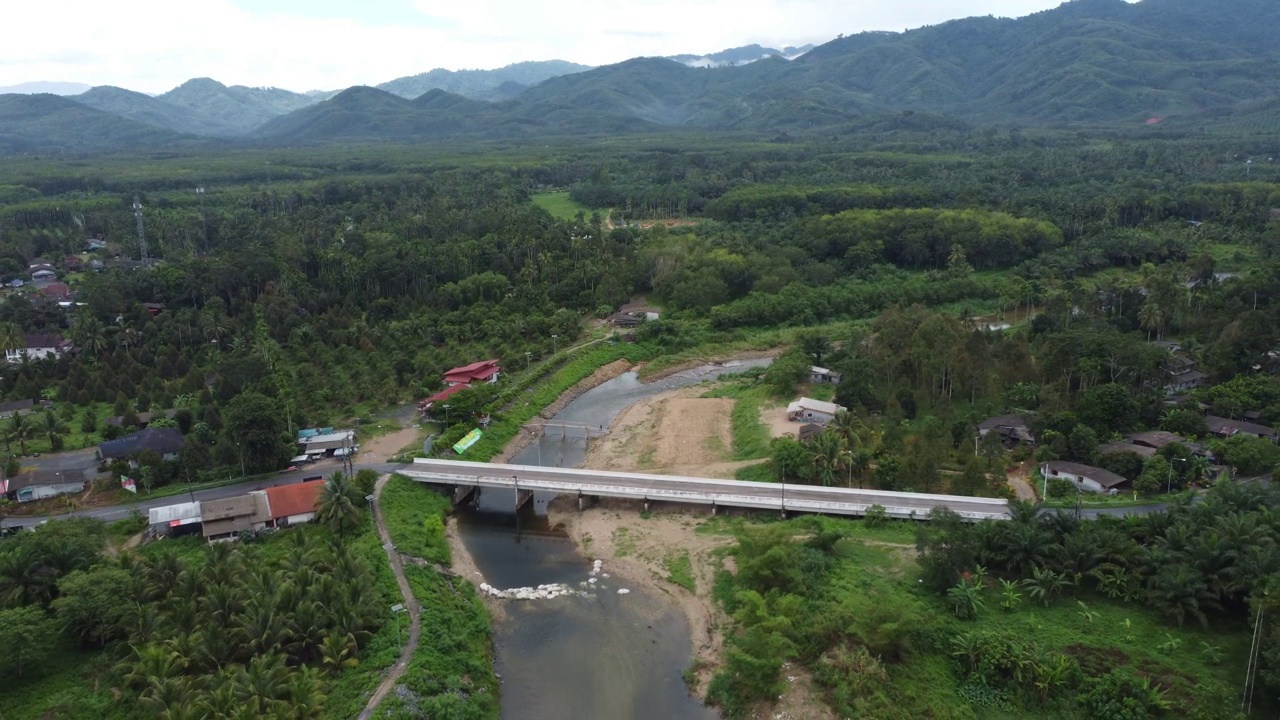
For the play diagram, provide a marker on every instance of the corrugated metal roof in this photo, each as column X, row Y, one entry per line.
column 182, row 512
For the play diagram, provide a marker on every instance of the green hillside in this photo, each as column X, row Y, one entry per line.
column 49, row 123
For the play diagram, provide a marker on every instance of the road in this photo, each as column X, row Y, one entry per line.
column 118, row 512
column 706, row 491
column 410, row 604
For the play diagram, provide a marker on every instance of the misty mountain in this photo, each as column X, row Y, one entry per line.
column 501, row 84
column 43, row 87
column 739, row 56
column 238, row 107
column 154, row 111
column 49, row 123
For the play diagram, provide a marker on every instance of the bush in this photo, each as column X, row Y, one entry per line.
column 1061, row 487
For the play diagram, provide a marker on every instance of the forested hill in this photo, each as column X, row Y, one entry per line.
column 1086, row 62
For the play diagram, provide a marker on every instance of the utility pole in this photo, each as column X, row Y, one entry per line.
column 142, row 236
column 204, row 222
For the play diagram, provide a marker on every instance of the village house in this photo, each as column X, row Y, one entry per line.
column 626, row 319
column 72, row 263
column 165, row 442
column 226, row 518
column 41, row 484
column 1115, row 448
column 823, row 376
column 813, row 411
column 39, row 347
column 1085, row 477
column 55, row 291
column 175, row 520
column 144, row 419
column 43, row 274
column 16, row 407
column 1012, row 428
column 295, row 504
column 808, row 432
column 1226, row 427
column 477, row 372
column 1156, row 439
column 329, row 443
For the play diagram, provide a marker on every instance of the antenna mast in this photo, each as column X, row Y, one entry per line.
column 142, row 236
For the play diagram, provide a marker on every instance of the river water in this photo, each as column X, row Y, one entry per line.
column 596, row 654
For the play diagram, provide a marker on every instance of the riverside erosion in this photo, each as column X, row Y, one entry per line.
column 565, row 646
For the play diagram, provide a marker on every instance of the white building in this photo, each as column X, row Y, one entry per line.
column 813, row 411
column 39, row 347
column 1085, row 477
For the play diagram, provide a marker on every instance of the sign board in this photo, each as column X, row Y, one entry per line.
column 466, row 442
column 129, row 484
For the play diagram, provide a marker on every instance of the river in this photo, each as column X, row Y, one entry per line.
column 596, row 654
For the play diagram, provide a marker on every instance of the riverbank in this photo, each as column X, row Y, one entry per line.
column 643, row 550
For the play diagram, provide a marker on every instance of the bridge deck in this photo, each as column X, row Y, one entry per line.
column 705, row 491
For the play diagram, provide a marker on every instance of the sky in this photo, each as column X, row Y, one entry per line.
column 154, row 45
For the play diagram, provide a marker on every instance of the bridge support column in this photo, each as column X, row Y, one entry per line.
column 522, row 498
column 581, row 503
column 646, row 504
column 461, row 493
column 713, row 508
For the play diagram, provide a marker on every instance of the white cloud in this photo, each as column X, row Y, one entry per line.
column 153, row 45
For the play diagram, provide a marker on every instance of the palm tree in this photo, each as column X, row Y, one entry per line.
column 1180, row 592
column 11, row 337
column 90, row 336
column 1045, row 584
column 53, row 428
column 827, row 454
column 1151, row 318
column 18, row 429
column 339, row 504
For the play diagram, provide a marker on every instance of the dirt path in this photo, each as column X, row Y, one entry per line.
column 637, row 549
column 1019, row 480
column 415, row 613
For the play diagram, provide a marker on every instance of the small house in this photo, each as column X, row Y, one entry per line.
column 1115, row 448
column 1226, row 427
column 16, row 407
column 626, row 319
column 823, row 376
column 226, row 518
column 813, row 411
column 41, row 484
column 175, row 520
column 39, row 347
column 56, row 291
column 1013, row 428
column 328, row 444
column 72, row 263
column 165, row 442
column 294, row 504
column 808, row 432
column 1085, row 477
column 46, row 273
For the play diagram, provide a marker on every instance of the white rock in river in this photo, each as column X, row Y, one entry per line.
column 592, row 581
column 623, row 591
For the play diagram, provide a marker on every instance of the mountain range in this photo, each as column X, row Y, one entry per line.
column 1085, row 62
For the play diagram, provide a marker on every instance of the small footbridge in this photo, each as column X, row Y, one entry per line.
column 466, row 478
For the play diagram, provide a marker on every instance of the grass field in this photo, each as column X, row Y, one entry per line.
column 560, row 205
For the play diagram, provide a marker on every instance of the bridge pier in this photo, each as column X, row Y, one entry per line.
column 646, row 504
column 461, row 493
column 713, row 508
column 522, row 498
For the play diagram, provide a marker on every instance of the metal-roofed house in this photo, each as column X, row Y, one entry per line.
column 1013, row 428
column 175, row 520
column 38, row 347
column 823, row 376
column 483, row 371
column 326, row 445
column 165, row 442
column 41, row 484
column 1086, row 477
column 1226, row 427
column 228, row 517
column 813, row 411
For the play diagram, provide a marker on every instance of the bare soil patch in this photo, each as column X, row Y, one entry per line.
column 637, row 549
column 673, row 433
column 384, row 446
column 1019, row 479
column 775, row 419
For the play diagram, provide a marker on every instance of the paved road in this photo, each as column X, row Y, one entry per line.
column 410, row 603
column 706, row 491
column 117, row 512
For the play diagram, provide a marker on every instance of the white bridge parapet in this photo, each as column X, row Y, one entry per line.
column 705, row 491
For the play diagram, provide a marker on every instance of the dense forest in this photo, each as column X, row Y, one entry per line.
column 949, row 275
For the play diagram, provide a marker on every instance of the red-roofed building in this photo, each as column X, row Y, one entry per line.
column 483, row 371
column 441, row 396
column 294, row 504
column 56, row 291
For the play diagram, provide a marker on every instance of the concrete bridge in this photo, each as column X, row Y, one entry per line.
column 466, row 477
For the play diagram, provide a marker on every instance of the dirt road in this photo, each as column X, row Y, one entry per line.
column 415, row 612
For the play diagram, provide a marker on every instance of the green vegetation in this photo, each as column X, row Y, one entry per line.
column 451, row 674
column 560, row 205
column 680, row 571
column 1000, row 639
column 750, row 436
